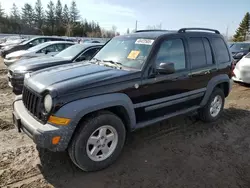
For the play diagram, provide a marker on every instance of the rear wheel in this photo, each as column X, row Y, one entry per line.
column 98, row 142
column 212, row 110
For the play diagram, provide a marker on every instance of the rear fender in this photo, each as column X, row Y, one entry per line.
column 215, row 81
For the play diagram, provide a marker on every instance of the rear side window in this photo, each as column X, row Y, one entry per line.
column 220, row 50
column 197, row 52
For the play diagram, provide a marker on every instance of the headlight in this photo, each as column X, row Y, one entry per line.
column 7, row 48
column 14, row 58
column 48, row 103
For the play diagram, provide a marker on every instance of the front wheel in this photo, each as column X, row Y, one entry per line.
column 212, row 110
column 98, row 142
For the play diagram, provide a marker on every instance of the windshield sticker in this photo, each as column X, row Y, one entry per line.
column 144, row 41
column 133, row 54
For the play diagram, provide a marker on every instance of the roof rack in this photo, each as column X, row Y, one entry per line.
column 183, row 30
column 149, row 30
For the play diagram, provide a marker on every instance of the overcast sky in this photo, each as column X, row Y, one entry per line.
column 172, row 14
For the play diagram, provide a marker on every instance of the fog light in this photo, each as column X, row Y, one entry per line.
column 55, row 140
column 58, row 120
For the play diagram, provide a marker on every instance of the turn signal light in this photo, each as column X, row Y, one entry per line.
column 55, row 140
column 58, row 120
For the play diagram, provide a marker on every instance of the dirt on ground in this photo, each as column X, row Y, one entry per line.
column 181, row 152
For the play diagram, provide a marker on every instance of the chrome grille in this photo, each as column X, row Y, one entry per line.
column 32, row 102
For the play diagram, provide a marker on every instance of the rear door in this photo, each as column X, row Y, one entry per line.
column 203, row 66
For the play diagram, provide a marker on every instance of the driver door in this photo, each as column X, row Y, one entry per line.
column 165, row 93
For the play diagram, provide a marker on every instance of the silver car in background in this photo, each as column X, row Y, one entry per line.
column 48, row 48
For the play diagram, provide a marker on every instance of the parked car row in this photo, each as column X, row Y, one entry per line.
column 30, row 43
column 47, row 48
column 72, row 54
column 88, row 107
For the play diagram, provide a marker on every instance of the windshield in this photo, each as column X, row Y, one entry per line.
column 127, row 51
column 240, row 47
column 38, row 47
column 71, row 51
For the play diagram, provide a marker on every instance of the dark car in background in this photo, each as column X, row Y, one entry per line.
column 240, row 49
column 30, row 43
column 75, row 53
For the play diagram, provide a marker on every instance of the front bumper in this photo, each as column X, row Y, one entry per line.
column 41, row 134
column 9, row 62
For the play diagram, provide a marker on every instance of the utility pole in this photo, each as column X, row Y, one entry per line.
column 227, row 32
column 136, row 25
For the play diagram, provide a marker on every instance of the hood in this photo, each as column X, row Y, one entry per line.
column 72, row 77
column 17, row 53
column 37, row 63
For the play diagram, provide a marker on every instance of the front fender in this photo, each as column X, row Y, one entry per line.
column 77, row 109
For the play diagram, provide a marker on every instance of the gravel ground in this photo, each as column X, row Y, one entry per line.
column 181, row 152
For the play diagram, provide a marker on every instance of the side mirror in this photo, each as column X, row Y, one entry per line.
column 46, row 51
column 165, row 68
column 31, row 44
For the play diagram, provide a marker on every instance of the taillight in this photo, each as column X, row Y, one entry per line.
column 233, row 64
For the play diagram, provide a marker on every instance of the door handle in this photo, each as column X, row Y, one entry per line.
column 180, row 77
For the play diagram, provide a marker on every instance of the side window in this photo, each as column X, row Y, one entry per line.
column 48, row 49
column 35, row 42
column 197, row 52
column 220, row 50
column 172, row 51
column 87, row 55
column 59, row 47
column 68, row 45
column 47, row 40
column 207, row 46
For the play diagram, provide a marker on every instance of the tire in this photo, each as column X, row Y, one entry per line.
column 80, row 147
column 205, row 113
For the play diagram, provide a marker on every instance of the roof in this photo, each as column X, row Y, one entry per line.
column 49, row 37
column 91, row 44
column 150, row 34
column 59, row 42
column 156, row 33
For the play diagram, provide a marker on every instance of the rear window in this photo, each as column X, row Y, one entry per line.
column 220, row 49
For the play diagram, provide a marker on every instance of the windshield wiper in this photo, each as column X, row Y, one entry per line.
column 117, row 64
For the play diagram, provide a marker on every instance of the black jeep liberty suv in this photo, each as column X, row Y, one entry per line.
column 134, row 81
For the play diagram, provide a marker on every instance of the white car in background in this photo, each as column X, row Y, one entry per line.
column 47, row 48
column 241, row 72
